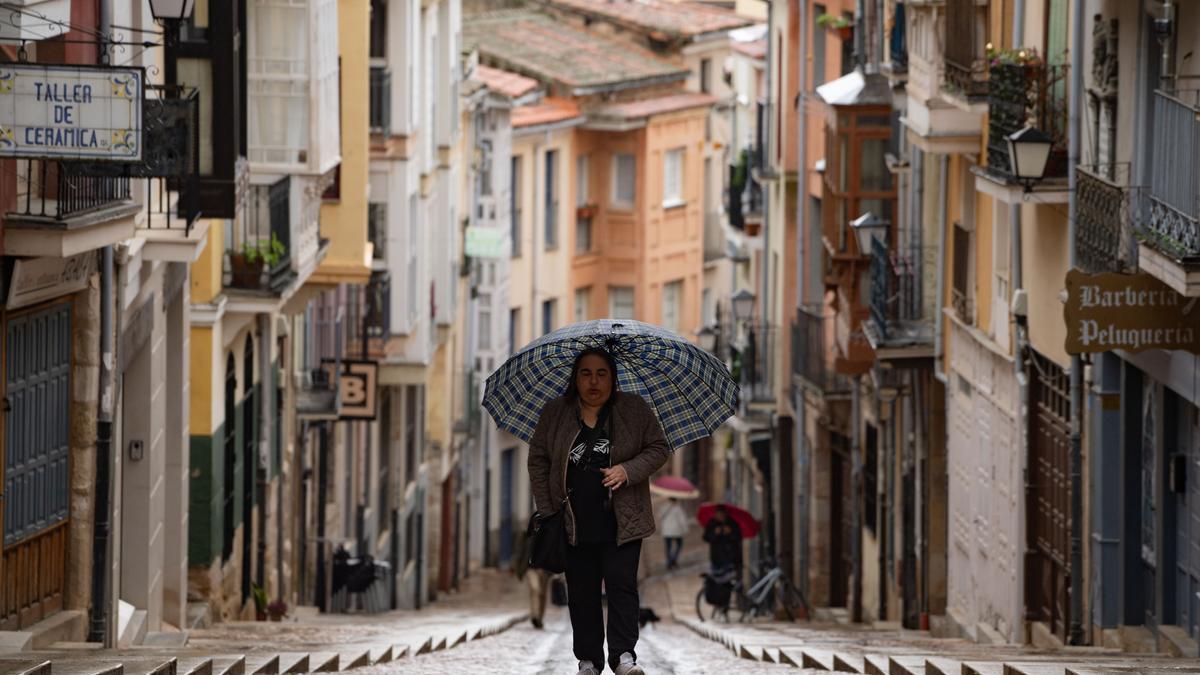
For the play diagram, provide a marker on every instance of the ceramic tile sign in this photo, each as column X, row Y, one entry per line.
column 1130, row 312
column 71, row 112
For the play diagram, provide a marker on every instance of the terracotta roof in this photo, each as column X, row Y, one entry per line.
column 633, row 110
column 549, row 111
column 755, row 50
column 671, row 19
column 536, row 45
column 505, row 83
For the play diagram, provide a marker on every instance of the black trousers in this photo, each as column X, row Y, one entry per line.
column 617, row 566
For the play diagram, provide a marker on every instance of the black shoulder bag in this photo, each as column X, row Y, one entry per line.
column 547, row 536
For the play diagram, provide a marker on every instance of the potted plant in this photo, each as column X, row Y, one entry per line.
column 839, row 25
column 260, row 602
column 586, row 211
column 247, row 264
column 277, row 610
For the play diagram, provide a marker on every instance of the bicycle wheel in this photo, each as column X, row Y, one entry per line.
column 700, row 604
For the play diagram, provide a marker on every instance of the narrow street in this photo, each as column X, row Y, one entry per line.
column 665, row 648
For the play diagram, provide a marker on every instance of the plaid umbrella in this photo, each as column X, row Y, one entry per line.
column 689, row 389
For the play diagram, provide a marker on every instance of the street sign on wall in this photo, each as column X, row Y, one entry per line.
column 1129, row 312
column 38, row 279
column 357, row 384
column 71, row 112
column 486, row 242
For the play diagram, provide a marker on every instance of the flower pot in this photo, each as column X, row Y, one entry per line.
column 845, row 33
column 245, row 273
column 277, row 617
column 753, row 228
column 585, row 212
column 260, row 616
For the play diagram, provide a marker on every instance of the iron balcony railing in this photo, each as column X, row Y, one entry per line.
column 378, row 314
column 1024, row 94
column 1173, row 224
column 58, row 190
column 318, row 395
column 897, row 298
column 260, row 257
column 1106, row 221
column 965, row 56
column 381, row 101
column 812, row 360
column 754, row 362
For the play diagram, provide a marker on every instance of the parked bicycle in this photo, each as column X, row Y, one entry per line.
column 773, row 590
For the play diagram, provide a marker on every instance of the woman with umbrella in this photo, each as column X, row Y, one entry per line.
column 632, row 393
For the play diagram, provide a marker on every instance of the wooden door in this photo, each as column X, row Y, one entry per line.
column 1048, row 497
column 36, row 465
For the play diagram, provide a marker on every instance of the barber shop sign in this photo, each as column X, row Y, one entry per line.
column 71, row 112
column 1129, row 312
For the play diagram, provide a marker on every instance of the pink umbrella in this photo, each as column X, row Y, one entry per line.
column 674, row 486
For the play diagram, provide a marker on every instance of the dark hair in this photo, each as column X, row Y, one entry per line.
column 572, row 386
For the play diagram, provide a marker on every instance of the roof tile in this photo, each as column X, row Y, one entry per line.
column 674, row 19
column 505, row 83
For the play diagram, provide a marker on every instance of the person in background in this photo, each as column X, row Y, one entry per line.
column 674, row 523
column 538, row 580
column 724, row 539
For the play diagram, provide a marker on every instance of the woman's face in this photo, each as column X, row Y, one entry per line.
column 594, row 381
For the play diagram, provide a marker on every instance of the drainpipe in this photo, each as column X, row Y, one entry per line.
column 772, row 102
column 802, row 158
column 856, row 490
column 1015, row 212
column 943, row 181
column 101, row 509
column 1075, row 635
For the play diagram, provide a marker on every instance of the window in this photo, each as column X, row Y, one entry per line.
column 378, row 37
column 377, row 229
column 411, row 393
column 414, row 209
column 673, row 178
column 705, row 74
column 514, row 320
column 583, row 234
column 484, row 325
column 549, row 309
column 583, row 301
column 514, row 207
column 485, row 167
column 624, row 175
column 551, row 206
column 581, row 180
column 384, row 494
column 871, row 479
column 620, row 302
column 818, row 47
column 671, row 296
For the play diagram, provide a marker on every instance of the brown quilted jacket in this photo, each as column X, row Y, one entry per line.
column 638, row 443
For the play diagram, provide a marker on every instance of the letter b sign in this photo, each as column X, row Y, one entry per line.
column 358, row 380
column 354, row 390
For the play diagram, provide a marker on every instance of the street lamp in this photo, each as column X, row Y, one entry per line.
column 170, row 13
column 869, row 227
column 1028, row 151
column 743, row 305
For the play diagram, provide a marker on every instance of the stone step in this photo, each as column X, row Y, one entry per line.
column 355, row 658
column 907, row 664
column 293, row 662
column 844, row 662
column 875, row 664
column 30, row 666
column 194, row 665
column 229, row 664
column 323, row 662
column 262, row 664
column 381, row 655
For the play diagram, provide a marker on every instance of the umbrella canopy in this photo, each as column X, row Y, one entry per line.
column 746, row 522
column 689, row 389
column 674, row 486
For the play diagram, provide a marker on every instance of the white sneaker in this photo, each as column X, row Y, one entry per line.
column 628, row 666
column 587, row 668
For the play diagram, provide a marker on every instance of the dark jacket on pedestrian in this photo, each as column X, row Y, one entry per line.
column 724, row 543
column 638, row 443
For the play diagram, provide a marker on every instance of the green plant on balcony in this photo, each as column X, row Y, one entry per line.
column 835, row 23
column 1021, row 56
column 248, row 263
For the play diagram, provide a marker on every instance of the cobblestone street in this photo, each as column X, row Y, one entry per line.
column 666, row 648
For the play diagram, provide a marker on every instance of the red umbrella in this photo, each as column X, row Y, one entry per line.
column 746, row 522
column 674, row 486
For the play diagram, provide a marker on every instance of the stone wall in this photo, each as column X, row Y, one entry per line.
column 85, row 394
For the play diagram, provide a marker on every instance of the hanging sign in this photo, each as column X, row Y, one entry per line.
column 356, row 382
column 71, row 112
column 1129, row 312
column 486, row 242
column 38, row 279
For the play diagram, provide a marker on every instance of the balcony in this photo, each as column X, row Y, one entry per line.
column 1171, row 249
column 60, row 210
column 966, row 57
column 900, row 327
column 380, row 117
column 1021, row 94
column 744, row 196
column 292, row 73
column 1104, row 236
column 753, row 363
column 259, row 258
column 812, row 361
column 318, row 396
